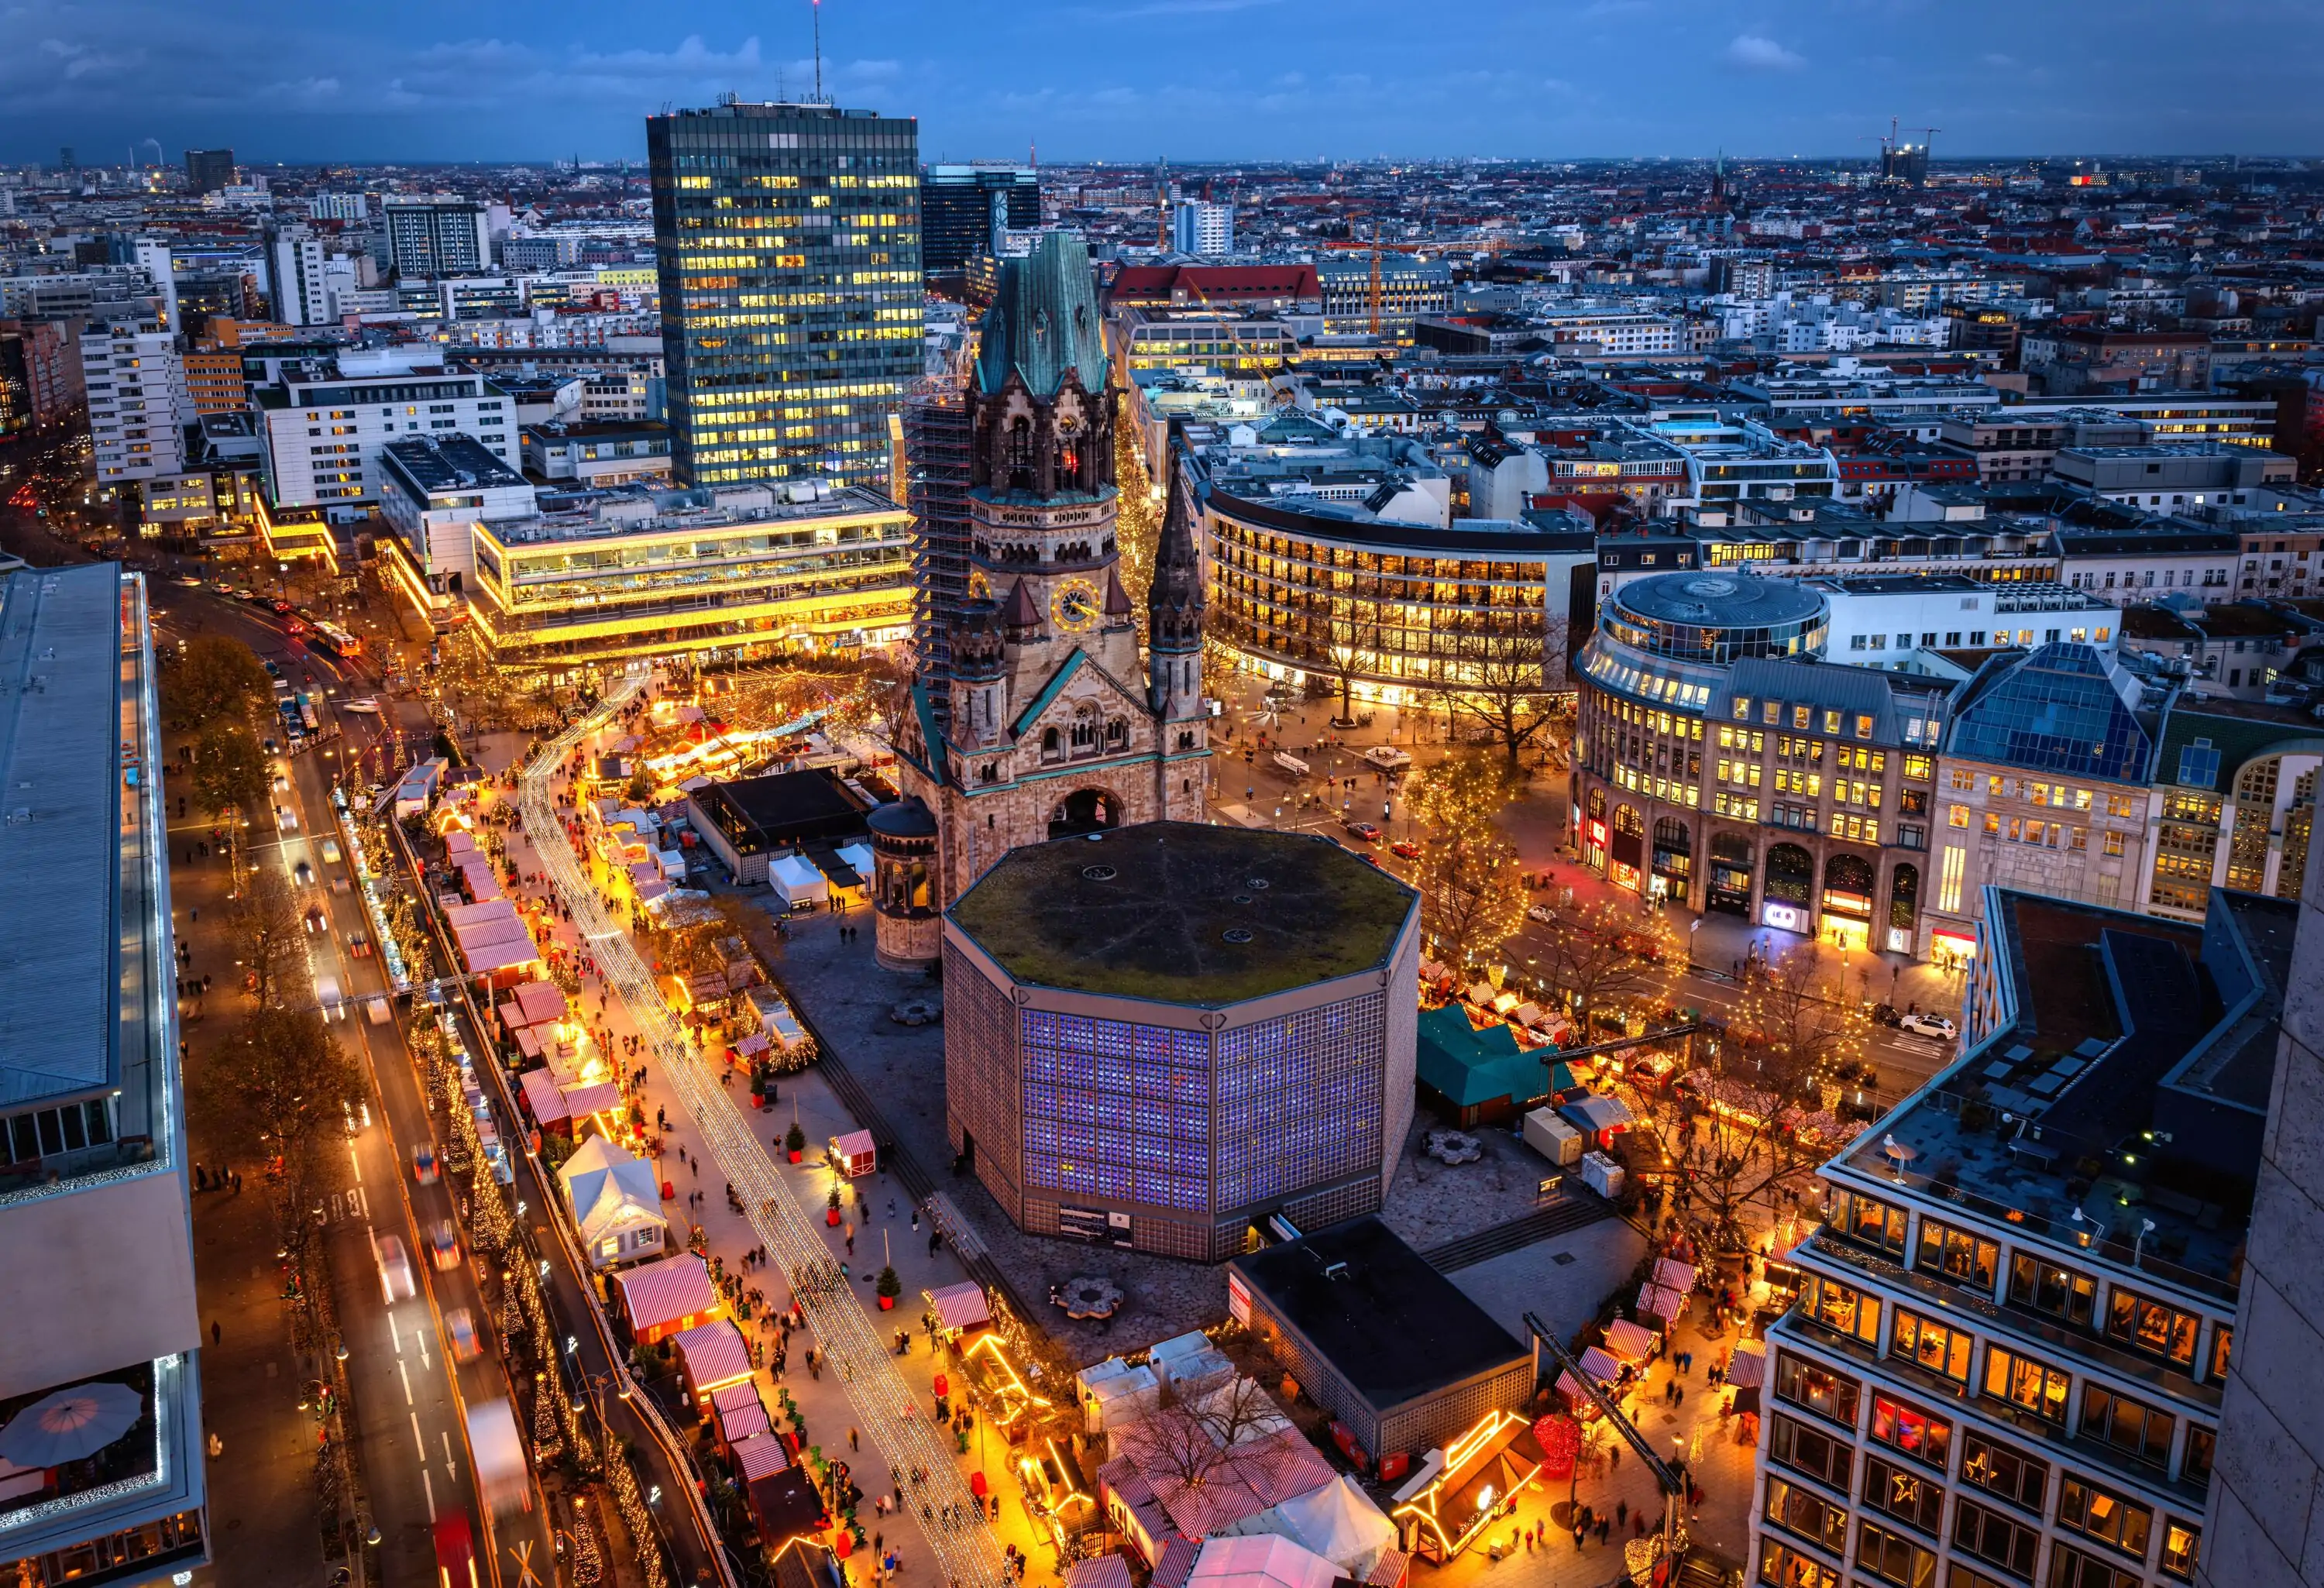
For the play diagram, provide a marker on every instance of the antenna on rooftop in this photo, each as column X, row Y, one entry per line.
column 817, row 7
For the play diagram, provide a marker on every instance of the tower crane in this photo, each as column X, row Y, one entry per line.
column 1375, row 295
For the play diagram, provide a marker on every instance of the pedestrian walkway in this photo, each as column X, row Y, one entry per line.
column 886, row 1410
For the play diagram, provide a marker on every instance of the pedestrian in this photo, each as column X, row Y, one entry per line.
column 216, row 1332
column 1678, row 1395
column 1622, row 1512
column 854, row 1443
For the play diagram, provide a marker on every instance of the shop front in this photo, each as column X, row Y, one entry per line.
column 1673, row 869
column 1729, row 889
column 1952, row 948
column 1904, row 907
column 1628, row 856
column 1591, row 834
column 1848, row 884
column 1791, row 882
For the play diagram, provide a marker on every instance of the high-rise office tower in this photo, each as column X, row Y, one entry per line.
column 210, row 169
column 962, row 205
column 137, row 400
column 788, row 242
column 295, row 278
column 437, row 235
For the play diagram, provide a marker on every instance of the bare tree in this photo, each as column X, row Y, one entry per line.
column 1500, row 676
column 273, row 1092
column 1352, row 649
column 1607, row 956
column 1202, row 1438
column 1752, row 1126
column 269, row 938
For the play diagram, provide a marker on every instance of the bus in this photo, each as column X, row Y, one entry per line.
column 344, row 643
column 307, row 713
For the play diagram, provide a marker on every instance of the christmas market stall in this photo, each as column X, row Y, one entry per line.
column 1464, row 1488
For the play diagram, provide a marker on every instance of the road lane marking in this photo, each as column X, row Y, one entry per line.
column 419, row 1438
column 354, row 1158
column 393, row 1333
column 429, row 1484
column 451, row 1463
column 406, row 1380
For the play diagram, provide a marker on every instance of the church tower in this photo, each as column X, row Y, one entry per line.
column 1054, row 727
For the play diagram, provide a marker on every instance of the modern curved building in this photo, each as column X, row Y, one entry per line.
column 1720, row 764
column 1332, row 554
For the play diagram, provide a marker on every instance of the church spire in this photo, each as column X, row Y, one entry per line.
column 1173, row 609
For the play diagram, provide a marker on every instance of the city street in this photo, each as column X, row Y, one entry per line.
column 408, row 1401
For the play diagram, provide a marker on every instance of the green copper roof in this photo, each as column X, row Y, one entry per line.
column 1043, row 320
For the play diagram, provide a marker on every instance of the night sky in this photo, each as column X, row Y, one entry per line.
column 1189, row 79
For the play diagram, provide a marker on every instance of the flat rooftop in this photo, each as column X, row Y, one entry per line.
column 641, row 507
column 1393, row 1326
column 454, row 462
column 2131, row 1084
column 61, row 733
column 1181, row 912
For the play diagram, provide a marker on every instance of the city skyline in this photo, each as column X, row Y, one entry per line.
column 1188, row 80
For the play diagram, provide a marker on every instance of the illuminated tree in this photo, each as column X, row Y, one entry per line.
column 1138, row 515
column 1605, row 958
column 277, row 1091
column 1752, row 1122
column 1472, row 897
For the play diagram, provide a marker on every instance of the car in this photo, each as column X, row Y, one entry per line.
column 269, row 745
column 395, row 1270
column 286, row 819
column 443, row 1244
column 330, row 851
column 273, row 672
column 188, row 580
column 425, row 1170
column 1404, row 847
column 1368, row 832
column 281, row 608
column 456, row 1553
column 316, row 920
column 304, row 874
column 460, row 1330
column 1540, row 913
column 362, row 704
column 1928, row 1025
column 359, row 946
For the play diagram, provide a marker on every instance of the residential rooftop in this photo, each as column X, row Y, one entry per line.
column 1185, row 913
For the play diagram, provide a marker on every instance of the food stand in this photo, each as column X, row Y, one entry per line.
column 854, row 1155
column 956, row 1309
column 1449, row 1504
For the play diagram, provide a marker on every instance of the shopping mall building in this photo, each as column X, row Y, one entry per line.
column 1719, row 762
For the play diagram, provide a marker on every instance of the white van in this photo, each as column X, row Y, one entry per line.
column 1388, row 758
column 1289, row 765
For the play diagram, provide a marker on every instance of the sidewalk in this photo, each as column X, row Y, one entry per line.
column 261, row 1487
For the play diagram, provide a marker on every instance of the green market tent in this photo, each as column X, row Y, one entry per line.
column 1469, row 1068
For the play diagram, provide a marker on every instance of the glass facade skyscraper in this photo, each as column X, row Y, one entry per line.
column 787, row 239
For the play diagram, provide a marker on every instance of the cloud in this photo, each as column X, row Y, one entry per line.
column 1757, row 52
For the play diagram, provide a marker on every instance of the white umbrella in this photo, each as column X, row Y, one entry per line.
column 70, row 1424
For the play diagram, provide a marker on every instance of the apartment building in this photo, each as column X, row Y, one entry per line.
column 137, row 399
column 95, row 1218
column 2006, row 1362
column 326, row 423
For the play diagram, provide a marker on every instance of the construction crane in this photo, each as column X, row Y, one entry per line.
column 1162, row 206
column 1673, row 1487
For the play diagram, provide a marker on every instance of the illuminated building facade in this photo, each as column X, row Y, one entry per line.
column 733, row 572
column 1719, row 762
column 1055, row 725
column 2012, row 1343
column 1155, row 1039
column 787, row 238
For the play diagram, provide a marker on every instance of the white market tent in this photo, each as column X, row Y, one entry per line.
column 796, row 880
column 614, row 1199
column 1268, row 1561
column 1339, row 1522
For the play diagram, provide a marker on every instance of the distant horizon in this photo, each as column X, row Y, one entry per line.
column 1220, row 81
column 637, row 164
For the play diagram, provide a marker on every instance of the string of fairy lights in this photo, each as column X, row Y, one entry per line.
column 952, row 1519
